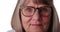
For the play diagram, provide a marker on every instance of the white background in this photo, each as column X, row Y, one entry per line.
column 6, row 11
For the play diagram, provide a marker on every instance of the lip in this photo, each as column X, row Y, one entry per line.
column 36, row 24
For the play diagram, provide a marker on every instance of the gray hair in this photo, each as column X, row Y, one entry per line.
column 16, row 22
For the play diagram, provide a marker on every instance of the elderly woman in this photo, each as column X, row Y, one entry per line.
column 35, row 16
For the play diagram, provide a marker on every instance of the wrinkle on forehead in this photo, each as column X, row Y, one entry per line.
column 40, row 2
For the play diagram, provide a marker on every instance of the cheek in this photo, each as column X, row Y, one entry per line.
column 45, row 19
column 25, row 21
column 45, row 22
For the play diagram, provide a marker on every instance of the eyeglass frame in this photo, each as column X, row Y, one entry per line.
column 34, row 9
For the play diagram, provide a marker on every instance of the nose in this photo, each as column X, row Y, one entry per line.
column 36, row 15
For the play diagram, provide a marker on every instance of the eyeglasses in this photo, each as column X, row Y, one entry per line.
column 29, row 11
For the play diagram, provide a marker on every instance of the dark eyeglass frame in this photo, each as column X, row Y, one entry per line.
column 39, row 9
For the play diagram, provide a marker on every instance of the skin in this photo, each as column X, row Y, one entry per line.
column 36, row 23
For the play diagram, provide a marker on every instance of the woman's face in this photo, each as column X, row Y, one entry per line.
column 35, row 20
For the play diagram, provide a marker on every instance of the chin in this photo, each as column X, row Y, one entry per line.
column 36, row 31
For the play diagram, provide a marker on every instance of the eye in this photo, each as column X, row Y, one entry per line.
column 45, row 11
column 27, row 8
column 28, row 11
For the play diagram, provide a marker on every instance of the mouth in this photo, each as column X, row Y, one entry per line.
column 36, row 24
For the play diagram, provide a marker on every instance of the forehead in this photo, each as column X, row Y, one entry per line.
column 36, row 2
column 39, row 1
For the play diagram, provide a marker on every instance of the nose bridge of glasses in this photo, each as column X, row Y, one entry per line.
column 37, row 12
